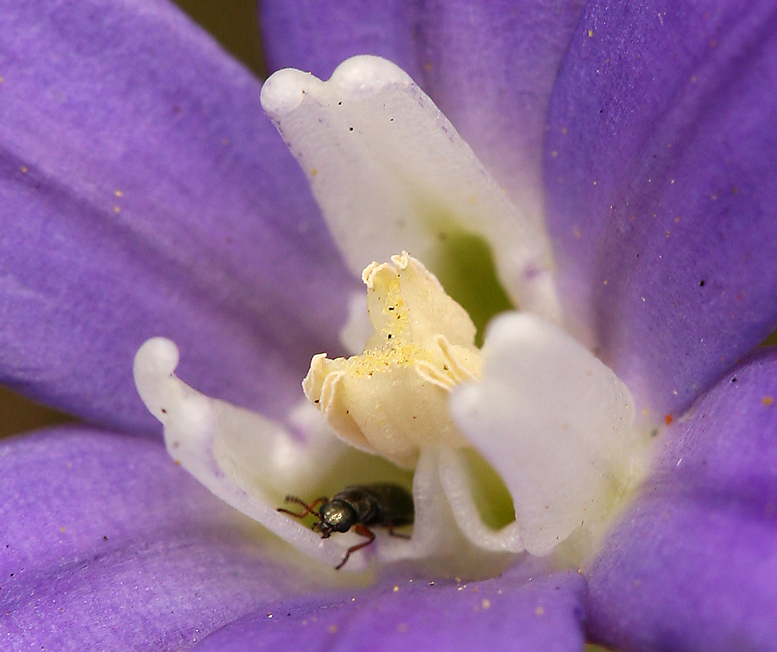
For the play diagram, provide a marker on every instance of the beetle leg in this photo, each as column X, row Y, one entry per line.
column 359, row 529
column 309, row 509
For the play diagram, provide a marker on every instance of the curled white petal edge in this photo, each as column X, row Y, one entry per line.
column 438, row 539
column 556, row 424
column 455, row 484
column 252, row 474
column 390, row 172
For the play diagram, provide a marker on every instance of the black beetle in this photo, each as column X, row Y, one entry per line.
column 382, row 504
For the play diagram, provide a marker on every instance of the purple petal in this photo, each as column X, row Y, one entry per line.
column 497, row 99
column 508, row 613
column 490, row 67
column 108, row 545
column 318, row 36
column 660, row 175
column 143, row 193
column 693, row 564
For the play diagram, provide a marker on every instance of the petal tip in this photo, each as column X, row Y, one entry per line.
column 365, row 75
column 284, row 91
column 155, row 361
column 158, row 355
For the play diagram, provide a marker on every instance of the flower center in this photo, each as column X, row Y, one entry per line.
column 533, row 412
column 393, row 398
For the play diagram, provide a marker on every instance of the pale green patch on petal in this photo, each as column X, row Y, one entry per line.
column 390, row 173
column 557, row 425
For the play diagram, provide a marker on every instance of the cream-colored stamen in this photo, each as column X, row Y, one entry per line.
column 393, row 398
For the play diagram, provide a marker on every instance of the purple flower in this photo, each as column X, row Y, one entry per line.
column 146, row 194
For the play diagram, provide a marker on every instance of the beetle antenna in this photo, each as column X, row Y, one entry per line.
column 309, row 509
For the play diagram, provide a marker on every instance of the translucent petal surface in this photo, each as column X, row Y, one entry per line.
column 456, row 483
column 107, row 545
column 555, row 423
column 660, row 176
column 693, row 565
column 143, row 193
column 391, row 174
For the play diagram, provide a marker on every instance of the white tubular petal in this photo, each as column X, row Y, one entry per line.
column 246, row 460
column 391, row 173
column 555, row 423
column 434, row 531
column 437, row 542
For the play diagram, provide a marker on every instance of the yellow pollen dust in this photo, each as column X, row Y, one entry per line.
column 393, row 398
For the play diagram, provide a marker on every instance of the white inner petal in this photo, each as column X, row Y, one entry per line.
column 248, row 461
column 557, row 425
column 391, row 173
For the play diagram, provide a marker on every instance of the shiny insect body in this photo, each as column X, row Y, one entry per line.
column 359, row 506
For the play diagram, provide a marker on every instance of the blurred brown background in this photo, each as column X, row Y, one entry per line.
column 235, row 24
